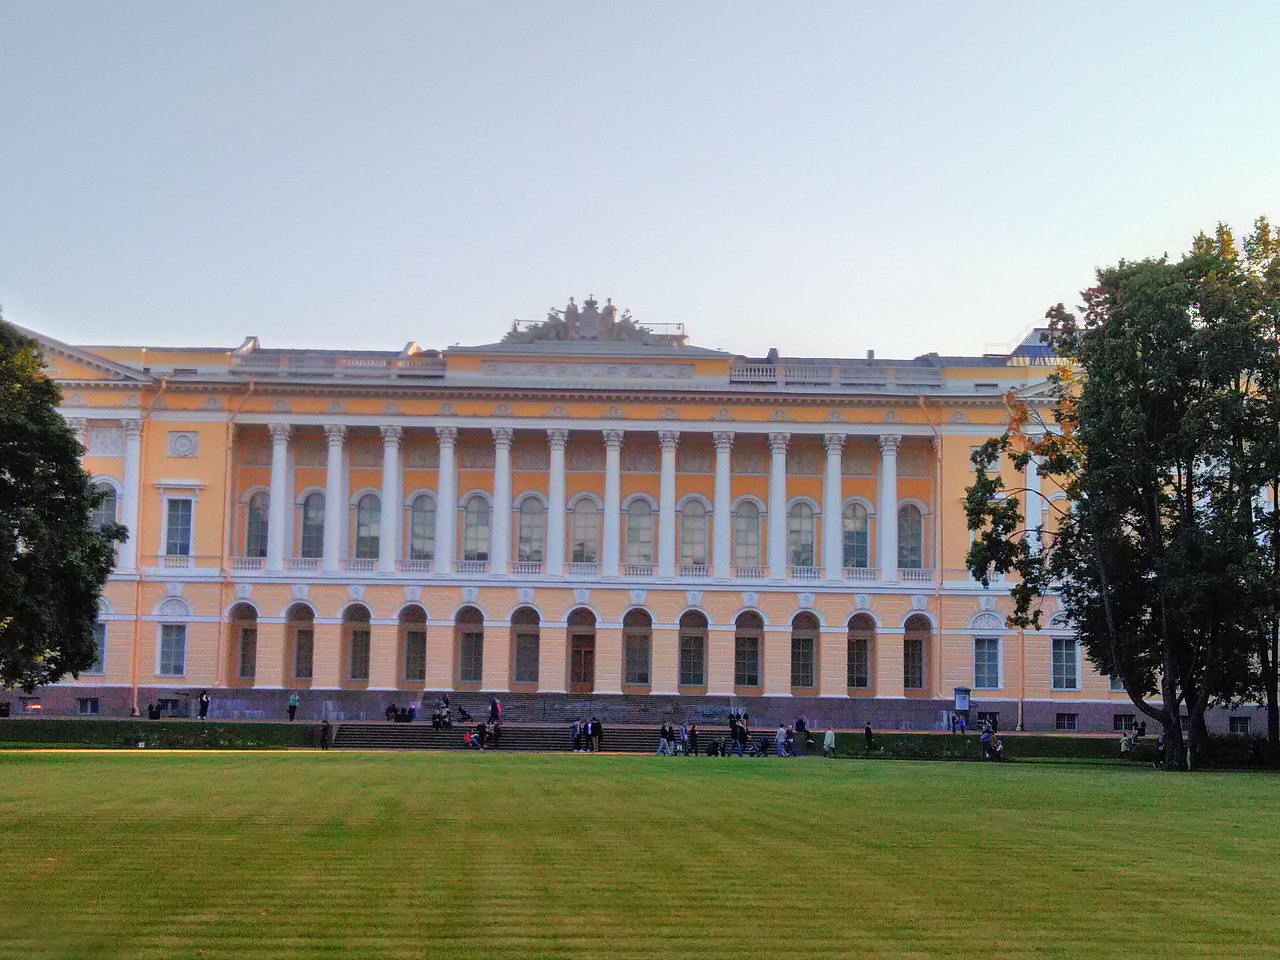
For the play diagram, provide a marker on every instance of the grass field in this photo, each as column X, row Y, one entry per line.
column 346, row 855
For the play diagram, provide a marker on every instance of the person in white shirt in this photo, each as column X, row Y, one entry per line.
column 781, row 740
column 829, row 743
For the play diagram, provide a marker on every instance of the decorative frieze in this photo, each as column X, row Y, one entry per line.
column 105, row 441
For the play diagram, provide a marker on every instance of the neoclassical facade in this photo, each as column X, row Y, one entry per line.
column 585, row 508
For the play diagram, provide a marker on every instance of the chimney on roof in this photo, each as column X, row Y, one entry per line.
column 871, row 354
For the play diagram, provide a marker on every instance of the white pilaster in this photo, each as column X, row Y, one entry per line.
column 389, row 521
column 446, row 500
column 612, row 502
column 1034, row 507
column 500, row 552
column 887, row 508
column 667, row 439
column 556, row 441
column 722, row 509
column 335, row 500
column 778, row 504
column 832, row 508
column 130, row 496
column 276, row 506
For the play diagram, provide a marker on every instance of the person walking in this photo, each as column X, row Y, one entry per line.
column 293, row 706
column 866, row 733
column 325, row 731
column 740, row 739
column 693, row 740
column 662, row 740
column 985, row 741
column 780, row 740
column 495, row 710
column 597, row 733
column 204, row 704
column 829, row 743
column 575, row 734
column 683, row 739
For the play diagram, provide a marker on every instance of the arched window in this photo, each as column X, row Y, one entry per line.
column 800, row 535
column 747, row 636
column 910, row 537
column 475, row 528
column 244, row 629
column 422, row 527
column 862, row 633
column 311, row 542
column 532, row 534
column 857, row 541
column 693, row 649
column 582, row 651
column 637, row 639
column 413, row 637
column 586, row 532
column 693, row 534
column 804, row 651
column 526, row 639
column 746, row 535
column 255, row 528
column 639, row 532
column 469, row 625
column 368, row 526
column 300, row 622
column 355, row 624
column 106, row 510
column 915, row 651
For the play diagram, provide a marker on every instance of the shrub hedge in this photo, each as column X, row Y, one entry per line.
column 173, row 734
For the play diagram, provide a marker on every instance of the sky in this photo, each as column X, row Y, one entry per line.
column 826, row 178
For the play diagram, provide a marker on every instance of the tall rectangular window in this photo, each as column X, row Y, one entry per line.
column 471, row 656
column 986, row 663
column 637, row 659
column 802, row 667
column 746, row 662
column 1066, row 672
column 859, row 666
column 746, row 535
column 179, row 512
column 173, row 649
column 359, row 653
column 526, row 658
column 415, row 654
column 693, row 661
column 1116, row 684
column 913, row 663
column 99, row 648
column 304, row 645
column 248, row 652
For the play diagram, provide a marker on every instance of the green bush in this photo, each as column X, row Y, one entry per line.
column 954, row 746
column 173, row 734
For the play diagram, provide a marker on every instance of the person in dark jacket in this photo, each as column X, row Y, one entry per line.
column 204, row 704
column 597, row 733
column 866, row 733
column 325, row 731
column 693, row 740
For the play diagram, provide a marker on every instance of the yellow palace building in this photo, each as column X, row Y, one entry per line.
column 586, row 510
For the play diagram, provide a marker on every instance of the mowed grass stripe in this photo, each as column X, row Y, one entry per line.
column 452, row 855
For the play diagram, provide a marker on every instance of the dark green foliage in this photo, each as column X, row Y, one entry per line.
column 172, row 734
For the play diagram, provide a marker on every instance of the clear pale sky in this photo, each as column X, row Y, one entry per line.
column 821, row 177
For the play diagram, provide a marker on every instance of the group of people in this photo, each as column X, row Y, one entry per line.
column 401, row 715
column 682, row 742
column 1130, row 739
column 586, row 737
column 485, row 736
column 992, row 746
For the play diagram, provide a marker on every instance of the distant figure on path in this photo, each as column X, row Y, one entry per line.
column 829, row 743
column 293, row 706
column 780, row 740
column 985, row 741
column 683, row 739
column 495, row 710
column 325, row 731
column 866, row 733
column 575, row 734
column 597, row 733
column 204, row 704
column 693, row 740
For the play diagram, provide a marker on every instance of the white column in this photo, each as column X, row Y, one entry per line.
column 446, row 500
column 833, row 508
column 276, row 506
column 130, row 496
column 1034, row 504
column 390, row 520
column 667, row 439
column 500, row 552
column 722, row 509
column 556, row 439
column 778, row 504
column 612, row 539
column 335, row 513
column 887, row 508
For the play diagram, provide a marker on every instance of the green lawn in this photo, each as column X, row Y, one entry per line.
column 348, row 855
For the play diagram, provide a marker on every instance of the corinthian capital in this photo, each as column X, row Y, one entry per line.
column 778, row 442
column 613, row 439
column 279, row 432
column 336, row 433
column 834, row 442
column 889, row 442
column 723, row 440
column 447, row 436
column 668, row 439
column 391, row 435
column 557, row 438
column 503, row 437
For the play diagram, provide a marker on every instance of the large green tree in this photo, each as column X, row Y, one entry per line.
column 53, row 562
column 1162, row 432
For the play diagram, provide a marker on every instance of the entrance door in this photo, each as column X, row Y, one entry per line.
column 582, row 663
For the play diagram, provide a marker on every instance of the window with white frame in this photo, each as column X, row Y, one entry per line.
column 861, row 633
column 910, row 537
column 99, row 648
column 531, row 533
column 693, row 650
column 476, row 517
column 179, row 514
column 746, row 534
column 804, row 644
column 1241, row 725
column 801, row 535
column 368, row 526
column 693, row 533
column 585, row 532
column 173, row 650
column 311, row 539
column 1122, row 722
column 1066, row 667
column 422, row 527
column 1066, row 722
column 856, row 535
column 107, row 509
column 255, row 527
column 639, row 532
column 87, row 706
column 986, row 663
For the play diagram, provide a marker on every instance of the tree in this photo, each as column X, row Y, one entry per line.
column 53, row 562
column 1162, row 432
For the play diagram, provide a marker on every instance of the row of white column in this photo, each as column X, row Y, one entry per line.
column 500, row 533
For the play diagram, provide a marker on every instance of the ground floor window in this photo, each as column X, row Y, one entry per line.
column 989, row 716
column 746, row 662
column 1122, row 722
column 360, row 654
column 526, row 657
column 415, row 654
column 1066, row 722
column 248, row 652
column 471, row 656
column 913, row 663
column 171, row 707
column 304, row 645
column 637, row 659
column 693, row 661
column 986, row 663
column 29, row 704
column 802, row 662
column 1239, row 725
column 87, row 706
column 173, row 650
column 1066, row 674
